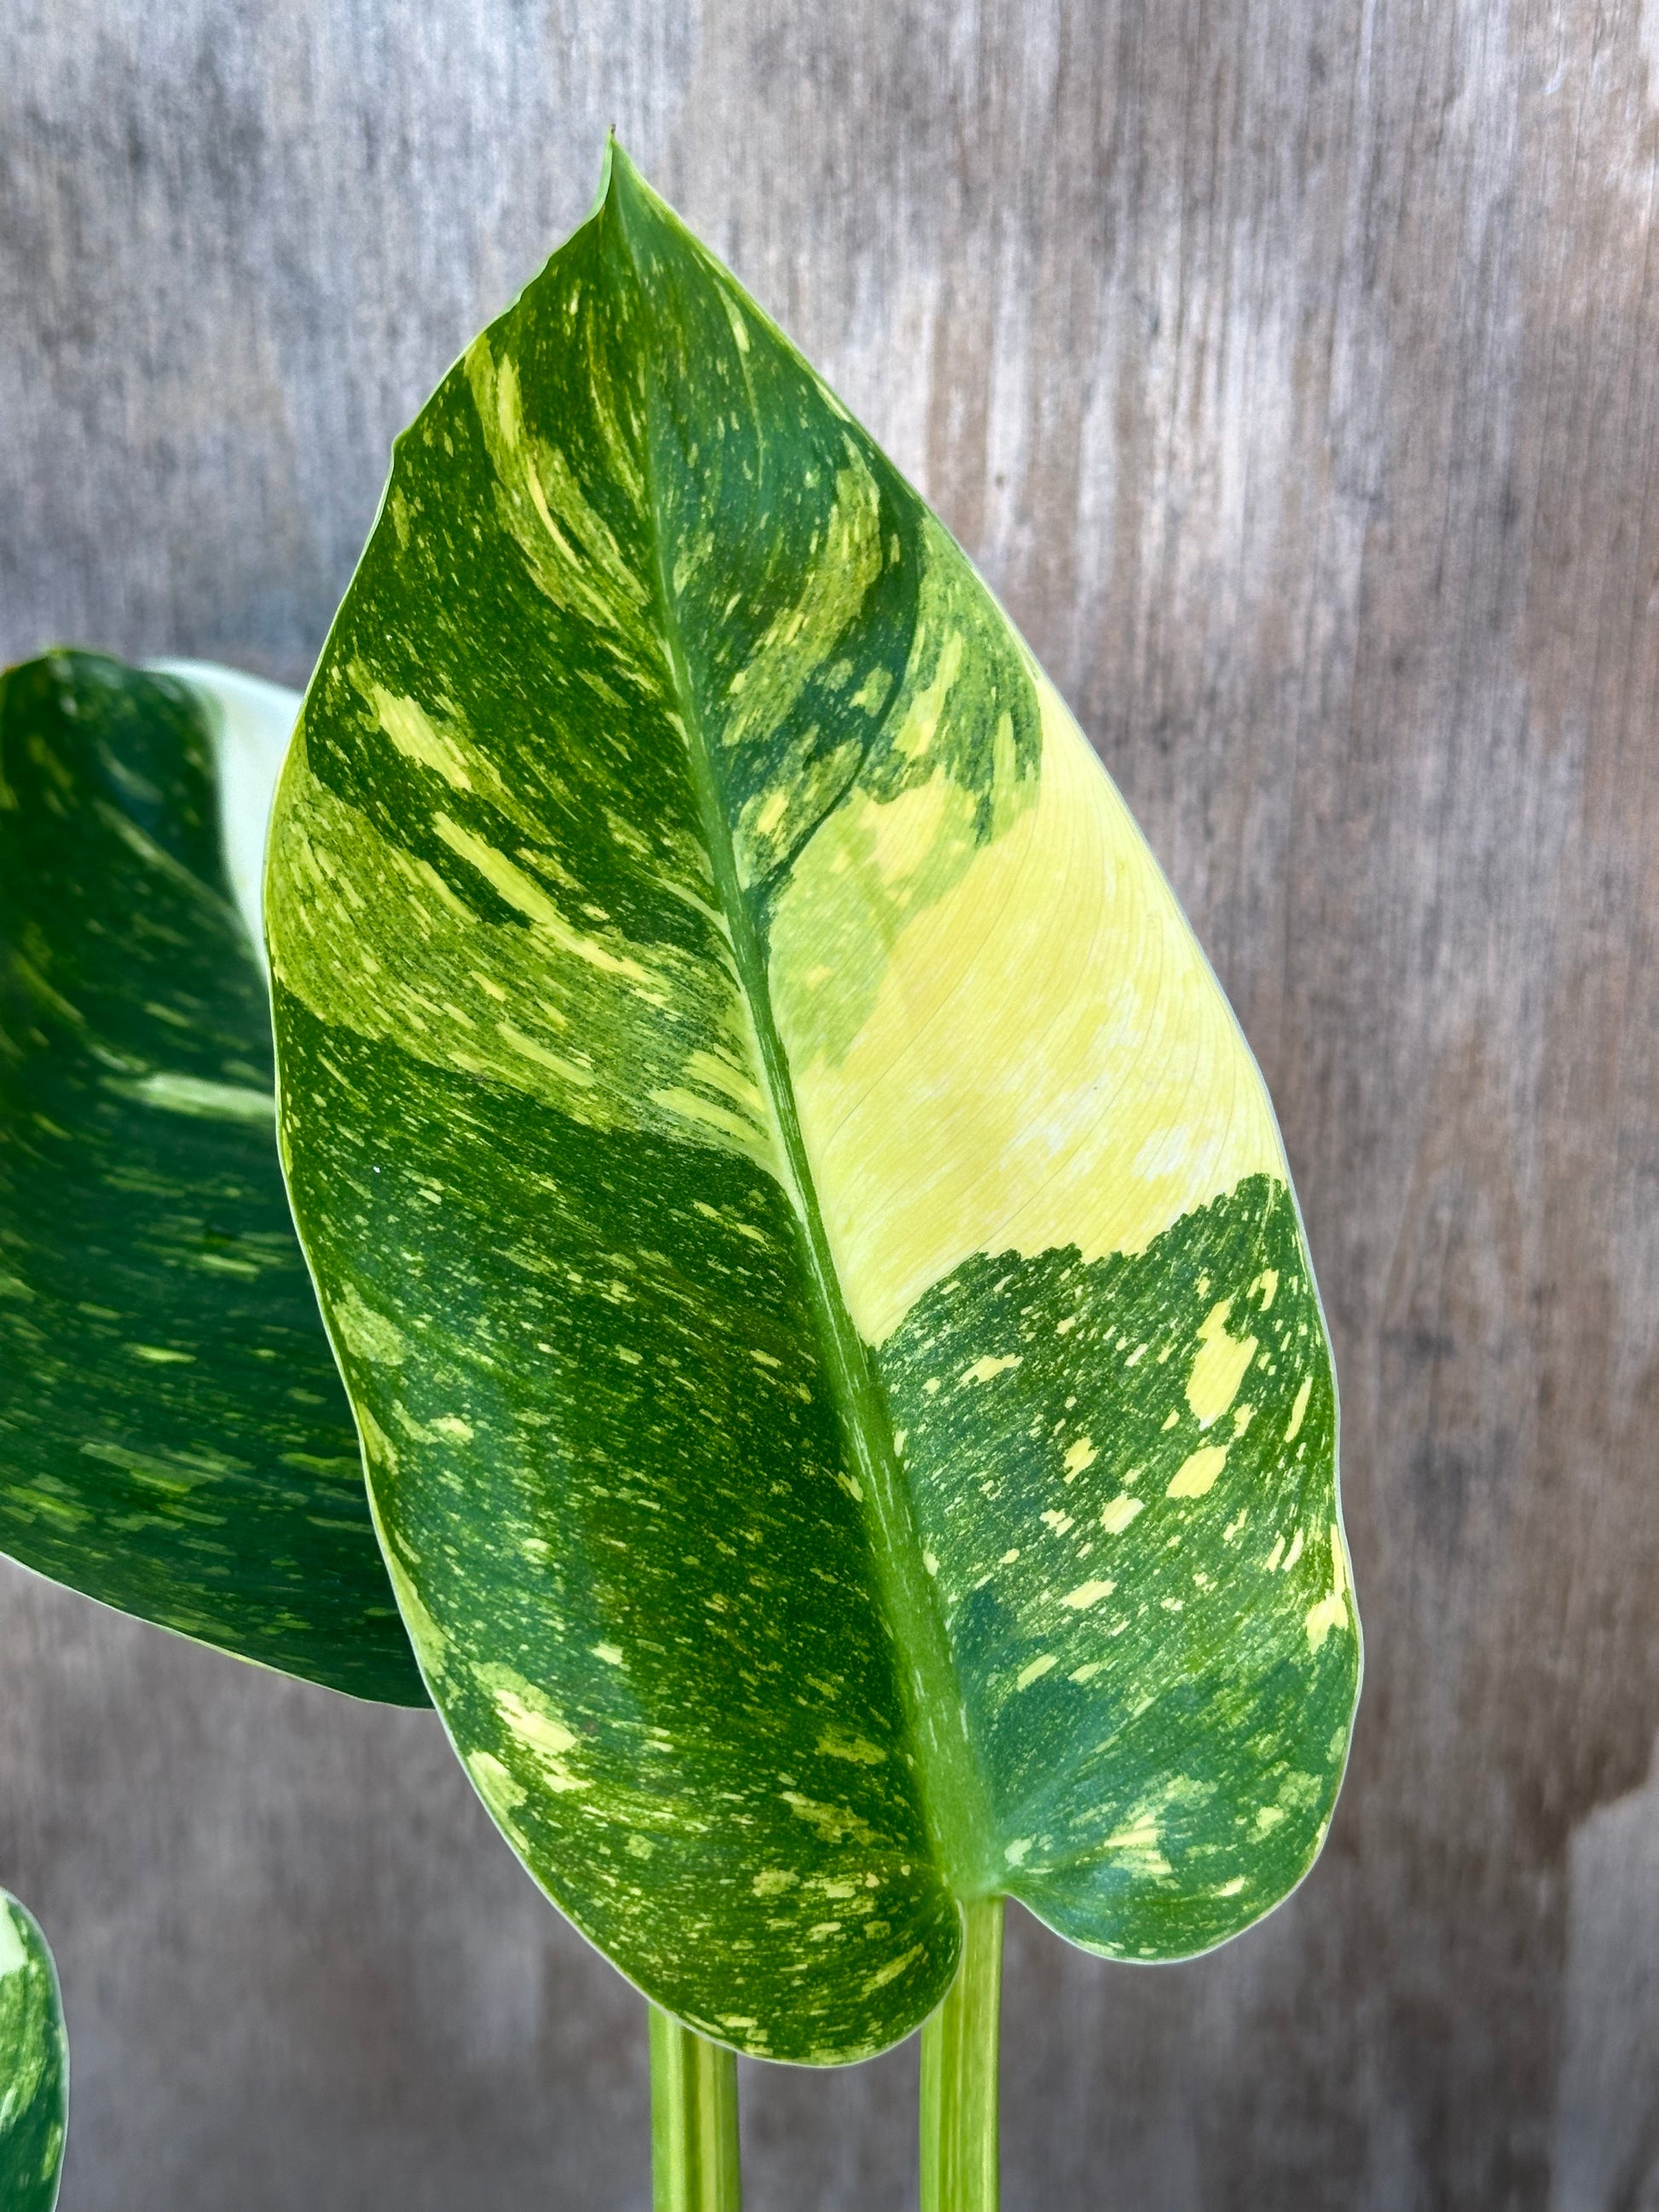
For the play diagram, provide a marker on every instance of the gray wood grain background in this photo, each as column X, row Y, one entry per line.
column 1292, row 368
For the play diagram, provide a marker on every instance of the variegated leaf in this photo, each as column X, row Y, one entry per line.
column 174, row 1437
column 810, row 1250
column 34, row 2065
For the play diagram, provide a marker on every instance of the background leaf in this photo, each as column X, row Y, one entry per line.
column 34, row 2065
column 174, row 1437
column 809, row 1248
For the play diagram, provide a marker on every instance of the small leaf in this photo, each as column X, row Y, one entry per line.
column 174, row 1437
column 810, row 1250
column 34, row 2065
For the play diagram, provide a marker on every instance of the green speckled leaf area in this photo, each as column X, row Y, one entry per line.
column 34, row 2065
column 175, row 1440
column 1102, row 1612
column 811, row 1255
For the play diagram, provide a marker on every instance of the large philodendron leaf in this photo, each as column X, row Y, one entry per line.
column 34, row 2065
column 809, row 1251
column 174, row 1437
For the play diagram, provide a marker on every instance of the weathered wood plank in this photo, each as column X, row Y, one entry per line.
column 1293, row 370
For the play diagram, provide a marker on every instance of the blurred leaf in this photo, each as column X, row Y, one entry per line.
column 34, row 2065
column 174, row 1437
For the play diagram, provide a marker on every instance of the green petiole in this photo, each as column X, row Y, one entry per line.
column 959, row 2171
column 694, row 2121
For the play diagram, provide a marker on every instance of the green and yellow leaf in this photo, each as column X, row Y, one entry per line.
column 809, row 1251
column 174, row 1437
column 34, row 2065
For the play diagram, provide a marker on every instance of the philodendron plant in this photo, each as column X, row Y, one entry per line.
column 846, row 1417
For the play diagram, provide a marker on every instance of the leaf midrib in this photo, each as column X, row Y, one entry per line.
column 950, row 1785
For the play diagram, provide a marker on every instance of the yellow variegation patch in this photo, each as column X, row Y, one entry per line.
column 1052, row 1116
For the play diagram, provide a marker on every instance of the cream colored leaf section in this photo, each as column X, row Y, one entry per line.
column 251, row 722
column 1047, row 1060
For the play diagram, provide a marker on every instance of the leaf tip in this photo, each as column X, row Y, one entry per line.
column 617, row 168
column 621, row 187
column 613, row 152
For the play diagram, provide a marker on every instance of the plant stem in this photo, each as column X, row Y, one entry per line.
column 694, row 2121
column 959, row 2168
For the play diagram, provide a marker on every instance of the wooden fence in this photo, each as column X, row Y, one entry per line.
column 1291, row 367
